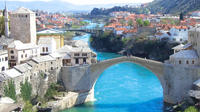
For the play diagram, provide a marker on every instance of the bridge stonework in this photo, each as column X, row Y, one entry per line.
column 176, row 81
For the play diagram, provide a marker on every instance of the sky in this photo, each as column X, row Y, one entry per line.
column 91, row 2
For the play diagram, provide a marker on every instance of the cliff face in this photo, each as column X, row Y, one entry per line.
column 174, row 6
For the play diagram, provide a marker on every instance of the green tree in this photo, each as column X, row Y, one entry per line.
column 191, row 109
column 51, row 92
column 122, row 22
column 2, row 25
column 26, row 91
column 146, row 23
column 140, row 22
column 130, row 22
column 9, row 90
column 28, row 107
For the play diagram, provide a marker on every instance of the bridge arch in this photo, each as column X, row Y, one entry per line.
column 156, row 67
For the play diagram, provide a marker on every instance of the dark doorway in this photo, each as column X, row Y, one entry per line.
column 77, row 61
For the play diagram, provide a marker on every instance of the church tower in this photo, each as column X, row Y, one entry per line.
column 23, row 25
column 6, row 20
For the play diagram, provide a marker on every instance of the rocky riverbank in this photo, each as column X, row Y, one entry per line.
column 136, row 46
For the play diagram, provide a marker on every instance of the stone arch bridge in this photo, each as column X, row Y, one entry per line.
column 175, row 80
column 94, row 31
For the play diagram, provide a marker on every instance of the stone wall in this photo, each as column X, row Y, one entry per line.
column 179, row 80
column 72, row 99
column 76, row 78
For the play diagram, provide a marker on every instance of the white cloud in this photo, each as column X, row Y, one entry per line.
column 89, row 2
column 27, row 0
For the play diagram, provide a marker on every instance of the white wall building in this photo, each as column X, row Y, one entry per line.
column 179, row 34
column 47, row 45
column 3, row 60
column 19, row 53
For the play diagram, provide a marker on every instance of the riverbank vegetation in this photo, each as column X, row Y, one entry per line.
column 139, row 46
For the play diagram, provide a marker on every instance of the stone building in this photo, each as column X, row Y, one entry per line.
column 19, row 53
column 77, row 54
column 3, row 60
column 47, row 45
column 188, row 55
column 23, row 25
column 194, row 39
column 57, row 35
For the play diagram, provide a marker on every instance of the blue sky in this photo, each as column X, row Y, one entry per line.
column 91, row 2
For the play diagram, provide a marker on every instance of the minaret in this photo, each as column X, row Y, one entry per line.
column 6, row 19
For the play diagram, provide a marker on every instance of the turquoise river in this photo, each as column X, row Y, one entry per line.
column 124, row 87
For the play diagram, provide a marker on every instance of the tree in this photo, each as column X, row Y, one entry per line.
column 140, row 22
column 191, row 109
column 146, row 23
column 181, row 17
column 130, row 22
column 28, row 107
column 9, row 90
column 26, row 91
column 2, row 26
column 51, row 92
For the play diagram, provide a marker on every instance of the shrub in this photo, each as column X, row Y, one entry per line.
column 9, row 90
column 28, row 107
column 51, row 92
column 191, row 109
column 26, row 91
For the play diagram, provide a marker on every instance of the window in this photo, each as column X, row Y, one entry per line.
column 76, row 54
column 12, row 57
column 43, row 49
column 3, row 69
column 12, row 52
column 51, row 68
column 26, row 16
column 179, row 61
column 192, row 61
column 84, row 60
column 22, row 56
column 23, row 51
column 51, row 62
column 77, row 61
column 26, row 55
column 84, row 54
column 6, row 58
column 187, row 62
column 47, row 49
column 2, row 59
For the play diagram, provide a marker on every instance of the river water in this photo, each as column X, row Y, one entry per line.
column 124, row 87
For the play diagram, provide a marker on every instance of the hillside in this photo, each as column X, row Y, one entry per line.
column 174, row 6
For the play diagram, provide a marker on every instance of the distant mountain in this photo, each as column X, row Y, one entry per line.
column 174, row 6
column 54, row 6
column 100, row 11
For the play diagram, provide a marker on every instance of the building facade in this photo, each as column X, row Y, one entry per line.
column 47, row 45
column 3, row 60
column 19, row 53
